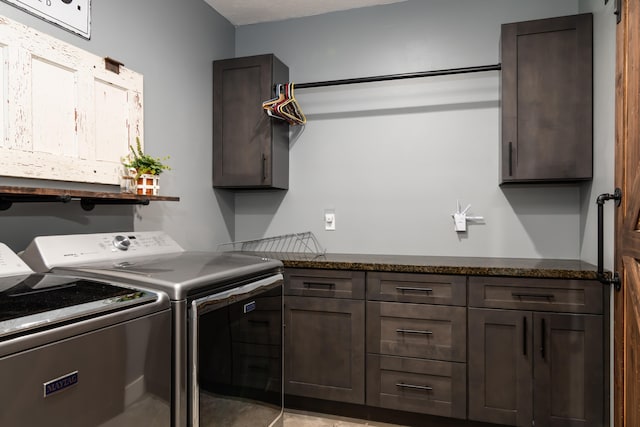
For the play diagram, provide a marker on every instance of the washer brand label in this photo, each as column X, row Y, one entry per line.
column 249, row 307
column 61, row 383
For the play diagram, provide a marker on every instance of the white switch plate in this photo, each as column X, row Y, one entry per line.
column 72, row 15
column 329, row 220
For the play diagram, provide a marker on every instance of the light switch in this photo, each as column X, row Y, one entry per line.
column 329, row 220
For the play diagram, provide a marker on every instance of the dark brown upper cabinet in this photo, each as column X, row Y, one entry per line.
column 547, row 100
column 250, row 149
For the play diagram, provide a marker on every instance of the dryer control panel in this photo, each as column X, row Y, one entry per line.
column 47, row 252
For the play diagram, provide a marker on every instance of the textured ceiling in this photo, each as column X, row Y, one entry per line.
column 243, row 12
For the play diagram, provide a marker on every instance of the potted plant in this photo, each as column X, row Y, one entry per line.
column 143, row 170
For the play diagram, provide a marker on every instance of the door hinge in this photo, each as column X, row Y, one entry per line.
column 605, row 278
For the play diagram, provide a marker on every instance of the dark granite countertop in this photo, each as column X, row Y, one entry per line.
column 470, row 266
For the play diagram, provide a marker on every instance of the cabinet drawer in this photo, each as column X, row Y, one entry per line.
column 324, row 283
column 417, row 385
column 417, row 330
column 571, row 296
column 417, row 288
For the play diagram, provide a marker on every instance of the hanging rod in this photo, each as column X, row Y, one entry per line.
column 465, row 70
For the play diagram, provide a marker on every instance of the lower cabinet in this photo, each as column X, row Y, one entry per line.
column 417, row 343
column 510, row 351
column 417, row 385
column 537, row 368
column 324, row 348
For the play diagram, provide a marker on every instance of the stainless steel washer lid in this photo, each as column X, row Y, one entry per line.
column 42, row 301
column 180, row 274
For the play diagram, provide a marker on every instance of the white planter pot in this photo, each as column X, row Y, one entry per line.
column 148, row 185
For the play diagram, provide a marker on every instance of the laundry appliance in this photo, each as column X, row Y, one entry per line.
column 77, row 352
column 226, row 318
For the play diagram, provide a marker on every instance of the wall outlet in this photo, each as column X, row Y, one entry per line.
column 329, row 220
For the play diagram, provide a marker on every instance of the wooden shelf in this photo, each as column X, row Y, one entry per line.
column 88, row 199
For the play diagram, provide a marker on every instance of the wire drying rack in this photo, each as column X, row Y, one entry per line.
column 296, row 243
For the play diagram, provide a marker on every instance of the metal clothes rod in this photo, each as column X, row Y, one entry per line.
column 465, row 70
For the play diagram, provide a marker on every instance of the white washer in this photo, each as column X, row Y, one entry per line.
column 226, row 323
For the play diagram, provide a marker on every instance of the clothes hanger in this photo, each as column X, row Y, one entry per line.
column 269, row 106
column 284, row 106
column 290, row 109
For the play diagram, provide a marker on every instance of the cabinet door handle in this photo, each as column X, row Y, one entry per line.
column 409, row 288
column 264, row 167
column 543, row 344
column 413, row 331
column 319, row 284
column 415, row 387
column 521, row 295
column 510, row 158
column 524, row 336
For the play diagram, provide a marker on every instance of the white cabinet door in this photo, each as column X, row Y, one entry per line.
column 65, row 117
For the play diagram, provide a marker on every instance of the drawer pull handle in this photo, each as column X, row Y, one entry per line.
column 413, row 331
column 408, row 288
column 520, row 295
column 319, row 284
column 414, row 387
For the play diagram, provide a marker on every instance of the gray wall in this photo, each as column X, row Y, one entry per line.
column 172, row 43
column 393, row 158
column 604, row 85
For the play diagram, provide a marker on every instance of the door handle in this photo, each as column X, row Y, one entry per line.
column 524, row 336
column 510, row 158
column 264, row 167
column 543, row 345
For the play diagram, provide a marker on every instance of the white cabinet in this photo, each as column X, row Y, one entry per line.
column 64, row 116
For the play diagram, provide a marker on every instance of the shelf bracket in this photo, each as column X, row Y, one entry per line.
column 6, row 201
column 89, row 203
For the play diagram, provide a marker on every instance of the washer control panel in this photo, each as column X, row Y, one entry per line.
column 47, row 252
column 10, row 263
column 121, row 242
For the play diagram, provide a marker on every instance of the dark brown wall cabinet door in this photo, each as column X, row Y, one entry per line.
column 547, row 100
column 250, row 149
column 324, row 348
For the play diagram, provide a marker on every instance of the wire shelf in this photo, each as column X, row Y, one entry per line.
column 296, row 243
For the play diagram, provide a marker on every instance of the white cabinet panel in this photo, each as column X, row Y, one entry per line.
column 65, row 116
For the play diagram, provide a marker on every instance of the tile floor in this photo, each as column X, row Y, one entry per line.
column 305, row 419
